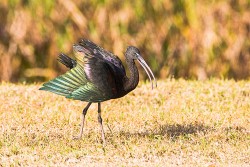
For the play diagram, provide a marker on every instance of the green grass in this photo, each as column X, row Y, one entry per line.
column 181, row 122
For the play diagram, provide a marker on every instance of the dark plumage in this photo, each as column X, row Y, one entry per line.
column 96, row 76
column 67, row 61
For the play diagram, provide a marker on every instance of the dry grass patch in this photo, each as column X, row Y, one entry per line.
column 179, row 123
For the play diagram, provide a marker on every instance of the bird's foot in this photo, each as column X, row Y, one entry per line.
column 79, row 137
column 104, row 143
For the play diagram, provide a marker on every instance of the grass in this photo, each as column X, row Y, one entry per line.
column 184, row 123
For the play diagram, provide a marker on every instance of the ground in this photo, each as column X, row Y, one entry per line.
column 181, row 123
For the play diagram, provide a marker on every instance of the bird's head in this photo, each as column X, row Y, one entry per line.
column 133, row 53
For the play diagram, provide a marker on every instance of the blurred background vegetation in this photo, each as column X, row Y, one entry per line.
column 193, row 39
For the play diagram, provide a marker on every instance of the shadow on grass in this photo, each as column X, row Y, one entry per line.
column 180, row 130
column 176, row 130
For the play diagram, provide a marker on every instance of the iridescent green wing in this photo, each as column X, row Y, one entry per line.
column 74, row 84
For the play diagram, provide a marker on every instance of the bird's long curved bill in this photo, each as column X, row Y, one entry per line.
column 147, row 69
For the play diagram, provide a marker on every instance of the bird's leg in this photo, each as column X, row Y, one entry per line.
column 84, row 112
column 100, row 122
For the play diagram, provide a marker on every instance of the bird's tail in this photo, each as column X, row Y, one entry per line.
column 66, row 60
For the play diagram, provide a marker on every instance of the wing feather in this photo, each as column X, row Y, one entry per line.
column 74, row 85
column 66, row 83
column 93, row 76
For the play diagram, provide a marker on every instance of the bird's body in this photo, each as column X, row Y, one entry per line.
column 96, row 76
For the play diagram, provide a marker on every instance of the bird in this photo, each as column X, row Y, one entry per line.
column 97, row 75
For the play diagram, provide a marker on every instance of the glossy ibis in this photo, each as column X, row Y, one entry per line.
column 96, row 76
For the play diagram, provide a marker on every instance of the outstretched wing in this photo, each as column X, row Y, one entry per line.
column 102, row 68
column 74, row 85
column 93, row 50
column 96, row 75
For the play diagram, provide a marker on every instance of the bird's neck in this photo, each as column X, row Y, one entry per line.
column 133, row 79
